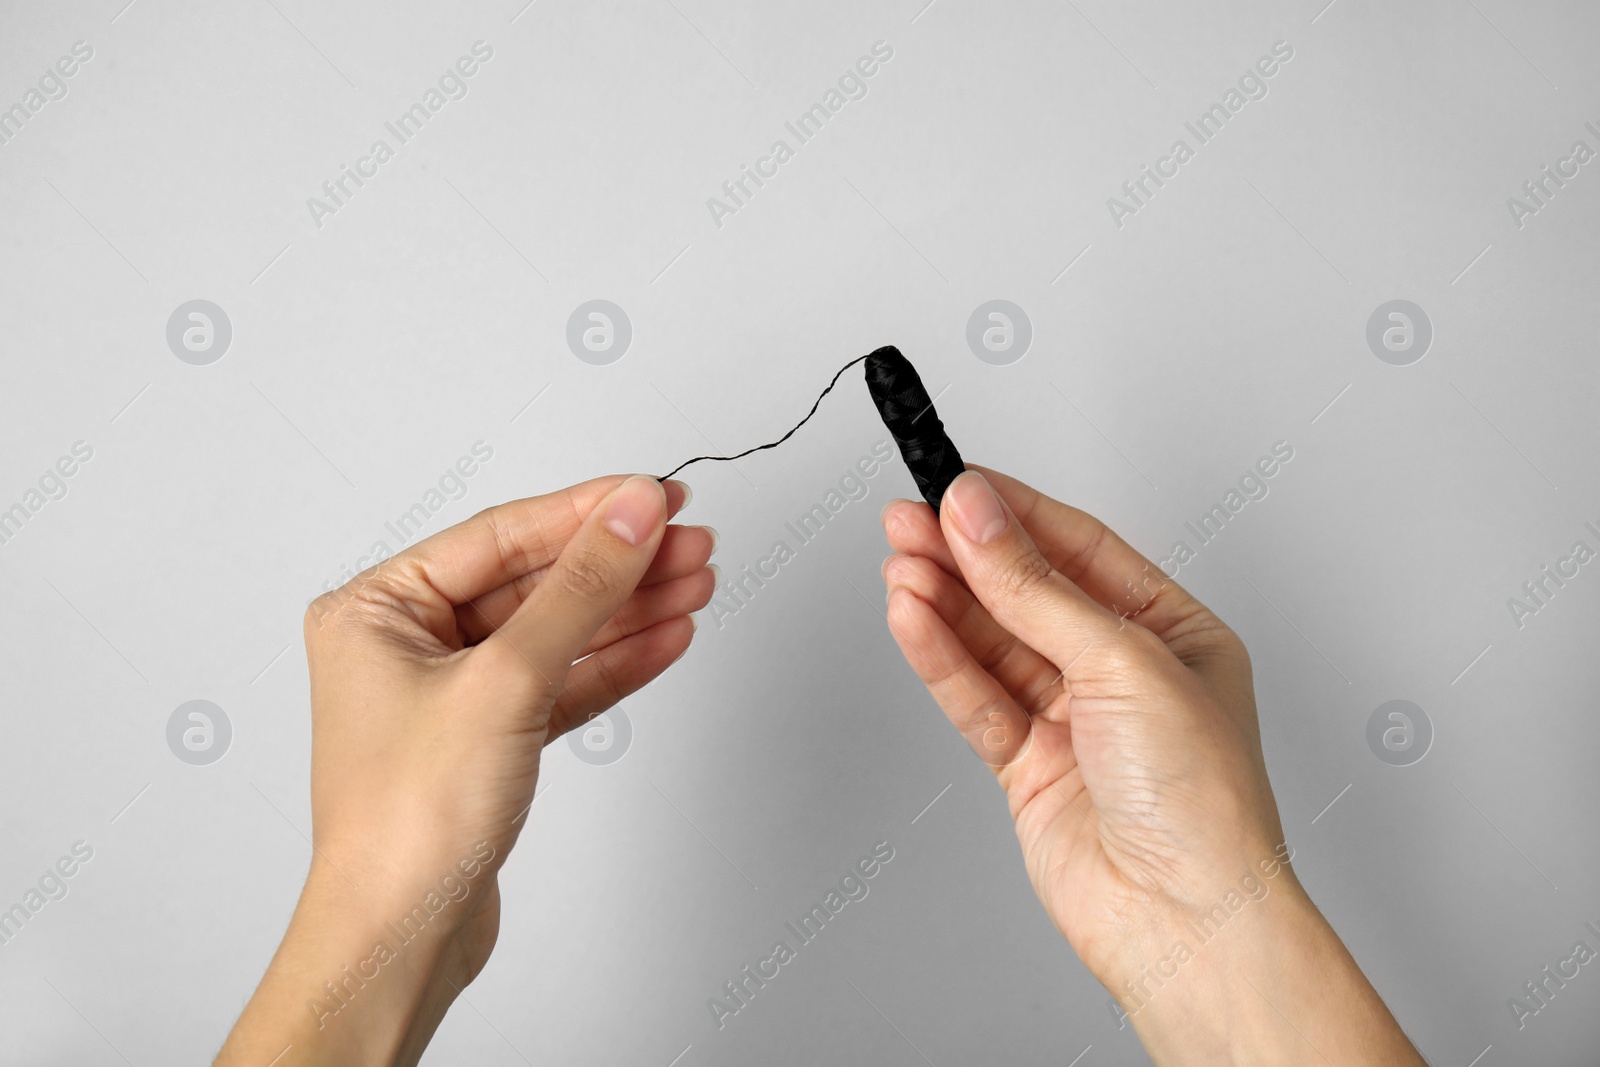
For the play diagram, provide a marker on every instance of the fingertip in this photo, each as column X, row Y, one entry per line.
column 637, row 510
column 668, row 641
column 974, row 509
column 902, row 608
column 682, row 628
column 661, row 646
column 678, row 495
column 681, row 632
column 900, row 512
column 910, row 526
column 710, row 576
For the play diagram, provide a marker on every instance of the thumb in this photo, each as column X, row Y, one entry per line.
column 1014, row 582
column 594, row 575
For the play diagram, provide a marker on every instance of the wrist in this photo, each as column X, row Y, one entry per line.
column 398, row 950
column 1197, row 995
column 368, row 966
column 1259, row 980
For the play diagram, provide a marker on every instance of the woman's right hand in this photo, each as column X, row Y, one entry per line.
column 1118, row 715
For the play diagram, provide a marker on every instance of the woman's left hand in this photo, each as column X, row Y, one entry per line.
column 437, row 677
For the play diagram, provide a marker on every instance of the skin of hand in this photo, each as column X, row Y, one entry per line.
column 1118, row 714
column 437, row 678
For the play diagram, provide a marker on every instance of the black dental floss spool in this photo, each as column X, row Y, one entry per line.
column 907, row 411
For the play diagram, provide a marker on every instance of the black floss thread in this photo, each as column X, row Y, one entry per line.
column 906, row 409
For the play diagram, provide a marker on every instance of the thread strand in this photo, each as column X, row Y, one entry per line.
column 779, row 441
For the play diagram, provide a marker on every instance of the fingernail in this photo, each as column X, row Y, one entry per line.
column 688, row 494
column 716, row 575
column 716, row 538
column 636, row 509
column 978, row 512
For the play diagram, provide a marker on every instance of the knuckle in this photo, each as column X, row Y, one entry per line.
column 1230, row 645
column 1134, row 649
column 524, row 531
column 331, row 611
column 1024, row 575
column 1203, row 634
column 316, row 612
column 367, row 599
column 511, row 555
column 588, row 575
column 1145, row 640
column 1224, row 636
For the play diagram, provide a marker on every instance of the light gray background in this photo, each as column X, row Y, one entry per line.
column 369, row 354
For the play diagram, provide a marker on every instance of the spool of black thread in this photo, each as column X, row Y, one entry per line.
column 908, row 412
